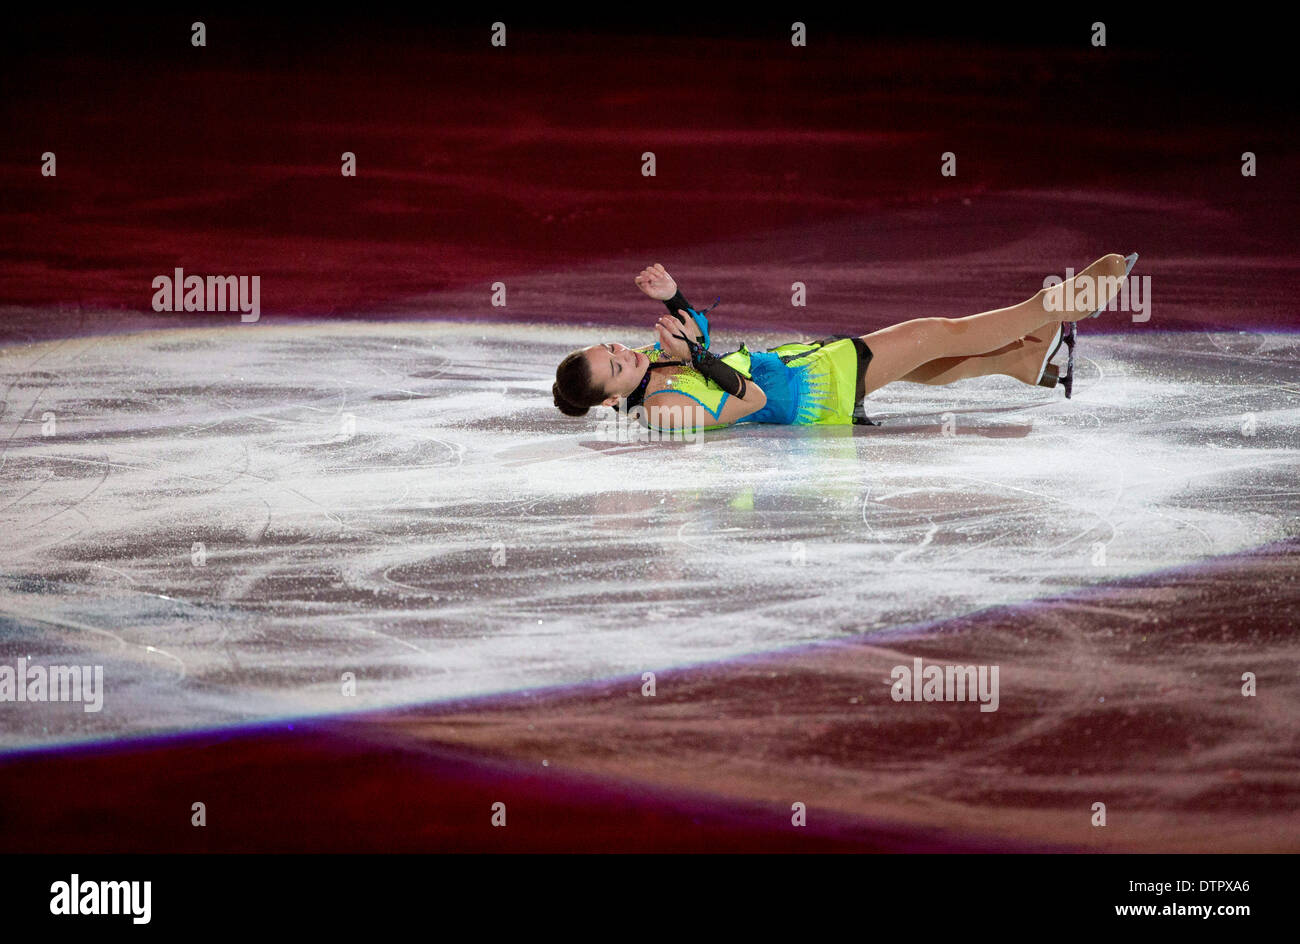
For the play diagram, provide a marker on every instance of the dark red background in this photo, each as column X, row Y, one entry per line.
column 479, row 164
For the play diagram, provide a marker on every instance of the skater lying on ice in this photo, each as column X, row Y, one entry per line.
column 680, row 384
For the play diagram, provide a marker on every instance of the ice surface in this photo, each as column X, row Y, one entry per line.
column 403, row 502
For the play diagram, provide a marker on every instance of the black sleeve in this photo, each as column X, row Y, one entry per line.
column 712, row 366
column 677, row 301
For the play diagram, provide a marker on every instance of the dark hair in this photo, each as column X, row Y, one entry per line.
column 573, row 390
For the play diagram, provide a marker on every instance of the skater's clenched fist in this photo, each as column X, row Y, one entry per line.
column 656, row 282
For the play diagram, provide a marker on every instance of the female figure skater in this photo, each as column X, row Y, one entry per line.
column 680, row 384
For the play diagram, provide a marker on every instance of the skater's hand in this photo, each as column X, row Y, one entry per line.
column 656, row 282
column 667, row 330
column 687, row 326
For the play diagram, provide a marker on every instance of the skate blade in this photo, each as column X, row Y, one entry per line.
column 1070, row 338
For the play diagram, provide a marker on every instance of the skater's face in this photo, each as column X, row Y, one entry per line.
column 617, row 369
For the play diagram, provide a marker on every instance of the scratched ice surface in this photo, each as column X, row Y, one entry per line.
column 402, row 502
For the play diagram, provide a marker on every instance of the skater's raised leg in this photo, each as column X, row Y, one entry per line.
column 1021, row 359
column 902, row 348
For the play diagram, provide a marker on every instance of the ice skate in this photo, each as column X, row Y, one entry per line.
column 1131, row 260
column 1051, row 375
column 1047, row 374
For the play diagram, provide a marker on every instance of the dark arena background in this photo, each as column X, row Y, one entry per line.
column 354, row 584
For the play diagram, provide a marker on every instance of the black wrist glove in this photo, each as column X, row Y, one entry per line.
column 677, row 301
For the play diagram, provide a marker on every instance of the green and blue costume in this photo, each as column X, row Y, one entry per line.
column 807, row 383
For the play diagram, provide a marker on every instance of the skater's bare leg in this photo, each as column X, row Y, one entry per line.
column 902, row 348
column 1021, row 359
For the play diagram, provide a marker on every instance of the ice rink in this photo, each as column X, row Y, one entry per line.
column 228, row 520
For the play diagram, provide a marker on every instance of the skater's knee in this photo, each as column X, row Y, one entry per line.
column 936, row 337
column 944, row 337
column 949, row 329
column 931, row 326
column 929, row 333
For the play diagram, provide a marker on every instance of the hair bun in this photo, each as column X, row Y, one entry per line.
column 566, row 407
